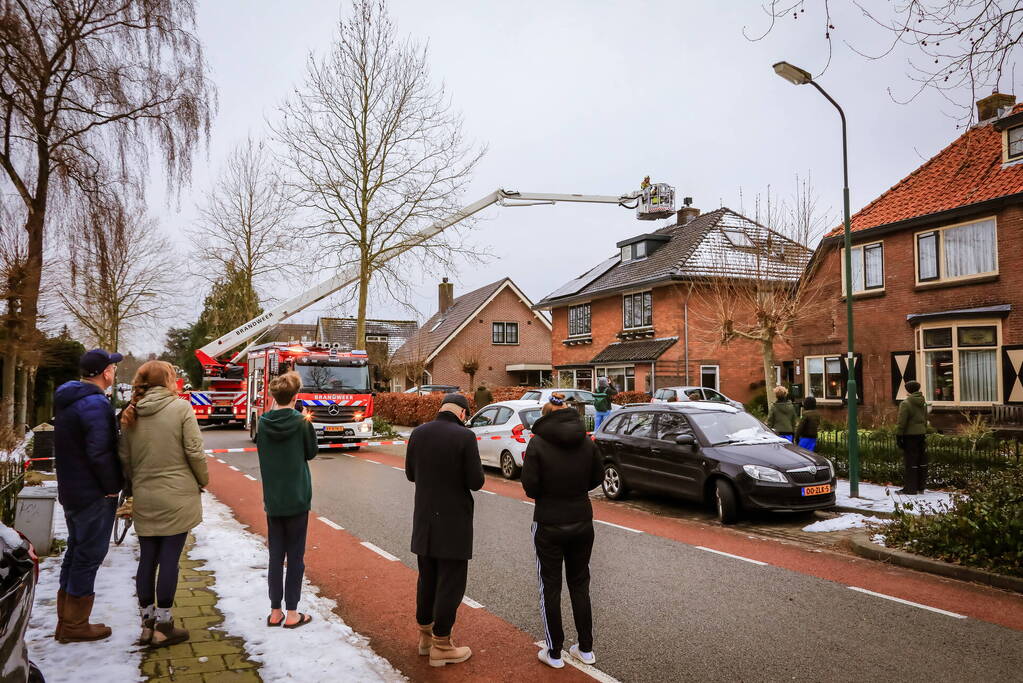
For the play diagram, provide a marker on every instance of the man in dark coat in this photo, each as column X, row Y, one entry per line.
column 911, row 436
column 482, row 398
column 88, row 481
column 443, row 461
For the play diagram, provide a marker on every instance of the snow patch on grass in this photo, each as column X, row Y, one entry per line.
column 848, row 520
column 875, row 498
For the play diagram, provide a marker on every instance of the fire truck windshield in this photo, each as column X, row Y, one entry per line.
column 334, row 378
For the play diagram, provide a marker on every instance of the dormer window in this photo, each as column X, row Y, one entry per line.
column 641, row 246
column 1014, row 143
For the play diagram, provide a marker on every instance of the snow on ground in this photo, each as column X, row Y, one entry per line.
column 115, row 659
column 326, row 649
column 848, row 520
column 17, row 454
column 877, row 498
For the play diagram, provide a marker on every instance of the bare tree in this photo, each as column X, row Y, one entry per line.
column 85, row 89
column 244, row 220
column 470, row 365
column 119, row 274
column 375, row 153
column 955, row 46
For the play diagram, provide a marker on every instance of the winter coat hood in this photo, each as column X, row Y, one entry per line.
column 154, row 400
column 561, row 427
column 69, row 392
column 916, row 399
column 280, row 424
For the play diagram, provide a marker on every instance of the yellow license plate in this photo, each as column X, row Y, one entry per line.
column 816, row 490
column 334, row 428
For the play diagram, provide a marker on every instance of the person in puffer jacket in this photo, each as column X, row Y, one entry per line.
column 560, row 468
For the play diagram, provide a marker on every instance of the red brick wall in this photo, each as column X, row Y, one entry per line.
column 881, row 325
column 476, row 339
column 740, row 363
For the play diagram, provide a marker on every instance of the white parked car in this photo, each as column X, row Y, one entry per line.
column 542, row 395
column 503, row 430
column 673, row 394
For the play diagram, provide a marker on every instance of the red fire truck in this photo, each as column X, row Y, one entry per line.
column 223, row 402
column 336, row 393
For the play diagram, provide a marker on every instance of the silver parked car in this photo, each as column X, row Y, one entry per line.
column 673, row 394
column 580, row 395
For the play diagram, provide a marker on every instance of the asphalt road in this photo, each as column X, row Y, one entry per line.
column 665, row 610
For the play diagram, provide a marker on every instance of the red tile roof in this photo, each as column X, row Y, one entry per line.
column 966, row 172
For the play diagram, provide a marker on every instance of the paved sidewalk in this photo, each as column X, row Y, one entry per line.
column 210, row 655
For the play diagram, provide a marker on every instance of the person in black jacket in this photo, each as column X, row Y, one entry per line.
column 443, row 461
column 560, row 467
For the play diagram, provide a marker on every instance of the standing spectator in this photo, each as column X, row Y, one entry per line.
column 286, row 442
column 911, row 435
column 162, row 455
column 782, row 415
column 602, row 402
column 482, row 398
column 561, row 466
column 443, row 461
column 809, row 423
column 88, row 481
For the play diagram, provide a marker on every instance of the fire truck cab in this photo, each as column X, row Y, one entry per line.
column 336, row 393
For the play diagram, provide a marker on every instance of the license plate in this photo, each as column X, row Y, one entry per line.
column 338, row 428
column 816, row 490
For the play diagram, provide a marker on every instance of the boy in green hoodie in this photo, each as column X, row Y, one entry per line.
column 911, row 436
column 286, row 442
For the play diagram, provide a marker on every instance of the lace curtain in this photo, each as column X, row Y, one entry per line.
column 969, row 249
column 978, row 375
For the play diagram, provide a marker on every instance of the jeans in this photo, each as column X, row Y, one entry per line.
column 601, row 416
column 286, row 538
column 88, row 538
column 439, row 592
column 568, row 545
column 163, row 552
column 787, row 436
column 808, row 444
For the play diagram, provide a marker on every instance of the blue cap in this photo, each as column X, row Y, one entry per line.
column 94, row 362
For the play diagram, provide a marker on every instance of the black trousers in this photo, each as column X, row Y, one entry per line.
column 439, row 592
column 571, row 545
column 914, row 456
column 286, row 538
column 158, row 553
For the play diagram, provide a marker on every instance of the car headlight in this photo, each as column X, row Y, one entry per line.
column 762, row 473
column 831, row 468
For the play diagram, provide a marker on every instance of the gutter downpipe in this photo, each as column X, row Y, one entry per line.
column 686, row 318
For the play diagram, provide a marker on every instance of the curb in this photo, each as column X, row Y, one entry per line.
column 862, row 546
column 883, row 514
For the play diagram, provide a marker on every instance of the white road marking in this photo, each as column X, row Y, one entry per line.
column 372, row 461
column 249, row 476
column 486, row 491
column 400, row 469
column 619, row 526
column 529, row 502
column 470, row 602
column 737, row 557
column 222, row 462
column 380, row 551
column 591, row 671
column 332, row 525
column 908, row 602
column 232, row 467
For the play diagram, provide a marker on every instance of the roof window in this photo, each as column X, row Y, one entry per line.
column 738, row 238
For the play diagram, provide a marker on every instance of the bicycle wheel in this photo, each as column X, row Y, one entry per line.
column 121, row 524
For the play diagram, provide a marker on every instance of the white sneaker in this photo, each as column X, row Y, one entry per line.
column 545, row 657
column 584, row 657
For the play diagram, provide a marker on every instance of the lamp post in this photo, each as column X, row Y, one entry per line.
column 798, row 76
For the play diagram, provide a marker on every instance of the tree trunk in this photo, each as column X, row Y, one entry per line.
column 27, row 333
column 21, row 399
column 9, row 373
column 360, row 321
column 767, row 350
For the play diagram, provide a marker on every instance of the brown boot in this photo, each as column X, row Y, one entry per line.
column 61, row 600
column 443, row 651
column 76, row 627
column 166, row 634
column 425, row 638
column 148, row 624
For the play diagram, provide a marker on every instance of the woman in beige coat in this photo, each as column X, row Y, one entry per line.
column 165, row 469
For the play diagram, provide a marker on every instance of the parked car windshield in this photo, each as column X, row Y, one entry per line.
column 529, row 416
column 721, row 428
column 334, row 378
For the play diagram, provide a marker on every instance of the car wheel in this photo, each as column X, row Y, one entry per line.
column 613, row 485
column 253, row 425
column 509, row 470
column 726, row 501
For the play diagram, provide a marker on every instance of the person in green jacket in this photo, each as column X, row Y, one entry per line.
column 809, row 423
column 483, row 397
column 782, row 415
column 911, row 436
column 602, row 402
column 285, row 441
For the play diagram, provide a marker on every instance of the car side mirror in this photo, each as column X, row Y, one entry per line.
column 685, row 440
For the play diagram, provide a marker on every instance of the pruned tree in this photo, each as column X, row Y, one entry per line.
column 86, row 89
column 374, row 153
column 244, row 221
column 118, row 276
column 959, row 48
column 470, row 364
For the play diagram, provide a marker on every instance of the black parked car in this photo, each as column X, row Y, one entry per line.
column 19, row 571
column 708, row 452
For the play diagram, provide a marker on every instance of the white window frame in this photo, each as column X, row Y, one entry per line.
column 860, row 249
column 939, row 234
column 1007, row 157
column 642, row 293
column 824, row 358
column 623, row 370
column 717, row 377
column 954, row 325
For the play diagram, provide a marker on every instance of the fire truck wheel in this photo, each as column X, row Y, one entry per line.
column 252, row 428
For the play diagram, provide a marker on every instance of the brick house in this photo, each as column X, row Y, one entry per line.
column 644, row 317
column 937, row 283
column 494, row 326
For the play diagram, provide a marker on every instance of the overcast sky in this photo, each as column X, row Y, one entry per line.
column 588, row 97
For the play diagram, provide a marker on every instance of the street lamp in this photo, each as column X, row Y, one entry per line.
column 797, row 76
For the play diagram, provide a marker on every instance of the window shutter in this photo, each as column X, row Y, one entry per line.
column 1012, row 374
column 858, row 365
column 903, row 370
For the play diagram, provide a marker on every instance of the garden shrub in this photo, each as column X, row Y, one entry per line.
column 623, row 397
column 983, row 530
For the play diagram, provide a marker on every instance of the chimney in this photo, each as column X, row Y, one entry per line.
column 990, row 106
column 446, row 296
column 687, row 212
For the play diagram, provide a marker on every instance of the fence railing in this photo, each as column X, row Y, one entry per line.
column 12, row 478
column 953, row 460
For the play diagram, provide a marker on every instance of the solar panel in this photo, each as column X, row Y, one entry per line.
column 585, row 279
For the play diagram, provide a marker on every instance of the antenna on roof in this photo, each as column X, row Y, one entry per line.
column 688, row 201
